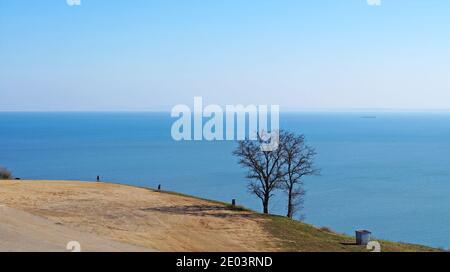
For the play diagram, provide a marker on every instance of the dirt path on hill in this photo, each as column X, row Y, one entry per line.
column 21, row 231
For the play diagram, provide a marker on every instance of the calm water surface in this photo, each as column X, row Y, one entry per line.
column 390, row 174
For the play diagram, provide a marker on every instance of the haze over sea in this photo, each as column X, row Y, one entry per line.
column 389, row 174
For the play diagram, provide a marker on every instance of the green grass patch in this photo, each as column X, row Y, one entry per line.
column 295, row 236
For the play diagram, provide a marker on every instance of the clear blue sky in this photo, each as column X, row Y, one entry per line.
column 153, row 54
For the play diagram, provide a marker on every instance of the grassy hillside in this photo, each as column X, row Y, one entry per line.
column 163, row 221
column 297, row 236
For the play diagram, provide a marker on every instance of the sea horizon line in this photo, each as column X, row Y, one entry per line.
column 322, row 110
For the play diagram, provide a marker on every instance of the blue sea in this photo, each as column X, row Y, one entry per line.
column 389, row 174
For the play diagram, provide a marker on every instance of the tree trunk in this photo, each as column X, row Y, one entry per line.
column 290, row 208
column 266, row 205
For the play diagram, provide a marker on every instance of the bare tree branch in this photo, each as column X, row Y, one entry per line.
column 264, row 169
column 297, row 163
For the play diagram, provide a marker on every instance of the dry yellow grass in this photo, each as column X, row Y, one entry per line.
column 150, row 220
column 137, row 216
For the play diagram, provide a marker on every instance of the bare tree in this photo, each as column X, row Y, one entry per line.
column 297, row 163
column 4, row 173
column 264, row 169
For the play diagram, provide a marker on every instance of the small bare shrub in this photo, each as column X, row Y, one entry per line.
column 4, row 173
column 327, row 229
